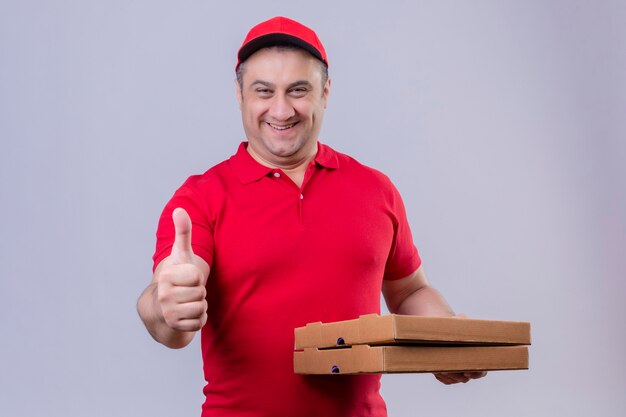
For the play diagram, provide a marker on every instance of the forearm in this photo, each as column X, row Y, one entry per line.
column 414, row 296
column 152, row 317
column 426, row 301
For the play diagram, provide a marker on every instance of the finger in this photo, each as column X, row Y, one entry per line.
column 192, row 310
column 183, row 275
column 182, row 295
column 459, row 378
column 181, row 249
column 191, row 325
column 444, row 379
column 452, row 377
column 181, row 312
column 475, row 375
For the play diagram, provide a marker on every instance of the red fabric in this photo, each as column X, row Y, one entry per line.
column 280, row 28
column 282, row 257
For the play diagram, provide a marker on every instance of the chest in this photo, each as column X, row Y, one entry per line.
column 275, row 223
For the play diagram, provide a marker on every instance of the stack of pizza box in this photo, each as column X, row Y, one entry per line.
column 400, row 344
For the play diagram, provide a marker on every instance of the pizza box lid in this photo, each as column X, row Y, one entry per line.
column 374, row 329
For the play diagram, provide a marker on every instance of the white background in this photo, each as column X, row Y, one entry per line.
column 501, row 122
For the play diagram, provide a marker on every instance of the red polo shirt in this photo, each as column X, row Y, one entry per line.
column 283, row 256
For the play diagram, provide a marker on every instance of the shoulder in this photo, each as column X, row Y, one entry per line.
column 360, row 172
column 212, row 177
column 204, row 191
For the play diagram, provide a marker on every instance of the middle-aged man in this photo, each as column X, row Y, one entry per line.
column 285, row 232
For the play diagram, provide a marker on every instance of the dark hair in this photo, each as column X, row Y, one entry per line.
column 285, row 46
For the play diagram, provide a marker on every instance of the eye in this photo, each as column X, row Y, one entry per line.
column 298, row 91
column 263, row 91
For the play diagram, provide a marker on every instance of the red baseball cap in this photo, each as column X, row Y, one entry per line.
column 277, row 30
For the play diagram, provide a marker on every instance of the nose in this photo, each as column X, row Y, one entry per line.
column 281, row 109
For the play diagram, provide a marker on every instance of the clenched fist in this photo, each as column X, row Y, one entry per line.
column 181, row 285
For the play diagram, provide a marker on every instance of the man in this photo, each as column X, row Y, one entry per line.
column 285, row 232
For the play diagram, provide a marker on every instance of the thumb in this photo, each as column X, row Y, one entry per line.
column 181, row 249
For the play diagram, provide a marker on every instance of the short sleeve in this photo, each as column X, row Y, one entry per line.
column 403, row 257
column 189, row 198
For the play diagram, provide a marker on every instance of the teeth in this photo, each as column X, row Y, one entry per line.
column 281, row 127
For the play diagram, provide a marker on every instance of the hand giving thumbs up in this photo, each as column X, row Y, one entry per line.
column 181, row 291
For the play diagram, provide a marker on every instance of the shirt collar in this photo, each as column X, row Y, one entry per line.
column 326, row 156
column 248, row 170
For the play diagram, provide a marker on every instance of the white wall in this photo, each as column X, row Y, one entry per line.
column 502, row 124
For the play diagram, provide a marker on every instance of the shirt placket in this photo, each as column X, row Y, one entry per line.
column 297, row 192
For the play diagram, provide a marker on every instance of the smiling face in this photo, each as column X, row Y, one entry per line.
column 282, row 103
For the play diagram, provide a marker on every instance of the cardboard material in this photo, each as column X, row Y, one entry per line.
column 393, row 329
column 397, row 359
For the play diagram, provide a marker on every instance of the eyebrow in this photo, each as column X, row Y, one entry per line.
column 265, row 83
column 292, row 85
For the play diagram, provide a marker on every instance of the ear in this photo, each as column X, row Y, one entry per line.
column 326, row 92
column 238, row 91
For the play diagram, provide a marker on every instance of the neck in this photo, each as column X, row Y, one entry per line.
column 294, row 168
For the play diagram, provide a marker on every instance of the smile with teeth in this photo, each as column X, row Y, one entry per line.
column 279, row 127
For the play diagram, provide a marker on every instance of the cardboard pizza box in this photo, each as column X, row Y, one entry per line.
column 365, row 359
column 373, row 329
